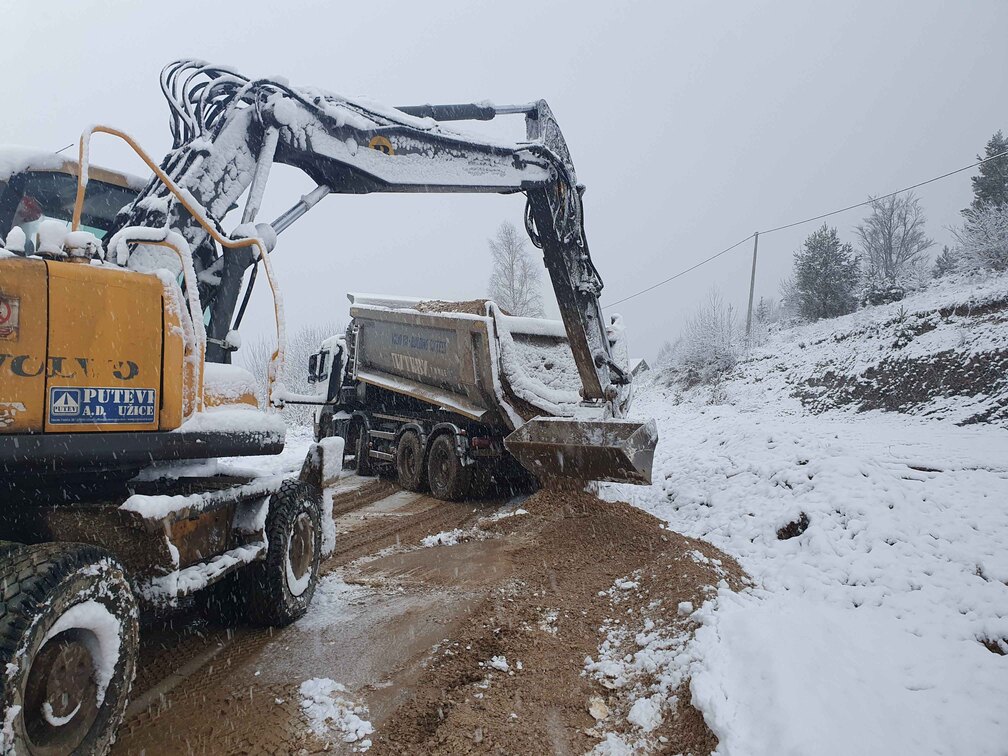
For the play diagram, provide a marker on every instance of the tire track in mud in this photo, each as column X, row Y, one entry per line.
column 369, row 493
column 169, row 645
column 404, row 530
column 196, row 688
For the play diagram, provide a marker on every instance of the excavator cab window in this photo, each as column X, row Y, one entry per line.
column 35, row 196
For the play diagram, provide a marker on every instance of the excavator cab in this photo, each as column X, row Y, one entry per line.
column 100, row 365
column 39, row 186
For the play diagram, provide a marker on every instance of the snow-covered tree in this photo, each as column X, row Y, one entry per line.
column 894, row 243
column 945, row 263
column 665, row 354
column 514, row 282
column 825, row 277
column 712, row 341
column 990, row 185
column 301, row 344
column 788, row 298
column 983, row 239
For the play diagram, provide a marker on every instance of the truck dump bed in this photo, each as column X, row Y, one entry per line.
column 516, row 375
column 490, row 367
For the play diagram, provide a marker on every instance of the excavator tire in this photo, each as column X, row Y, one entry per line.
column 9, row 547
column 410, row 467
column 69, row 640
column 449, row 479
column 279, row 588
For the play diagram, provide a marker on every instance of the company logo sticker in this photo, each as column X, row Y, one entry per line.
column 9, row 310
column 69, row 405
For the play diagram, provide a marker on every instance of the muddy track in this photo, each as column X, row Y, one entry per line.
column 369, row 493
column 197, row 688
column 179, row 642
column 405, row 530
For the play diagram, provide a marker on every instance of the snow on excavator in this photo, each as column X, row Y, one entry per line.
column 118, row 399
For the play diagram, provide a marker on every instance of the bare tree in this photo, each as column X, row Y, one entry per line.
column 893, row 241
column 514, row 282
column 301, row 344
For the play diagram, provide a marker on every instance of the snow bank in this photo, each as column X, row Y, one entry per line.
column 328, row 710
column 444, row 538
column 784, row 674
column 878, row 542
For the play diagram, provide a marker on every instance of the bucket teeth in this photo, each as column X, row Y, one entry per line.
column 620, row 451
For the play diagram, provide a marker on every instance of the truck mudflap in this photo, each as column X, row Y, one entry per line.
column 619, row 451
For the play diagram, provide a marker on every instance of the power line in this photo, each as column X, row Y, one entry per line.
column 806, row 220
column 886, row 196
column 682, row 272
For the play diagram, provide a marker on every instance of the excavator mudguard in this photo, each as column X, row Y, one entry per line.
column 619, row 451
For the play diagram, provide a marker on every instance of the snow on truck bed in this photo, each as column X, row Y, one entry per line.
column 535, row 358
column 879, row 545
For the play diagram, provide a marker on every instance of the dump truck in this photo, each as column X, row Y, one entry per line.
column 120, row 307
column 455, row 395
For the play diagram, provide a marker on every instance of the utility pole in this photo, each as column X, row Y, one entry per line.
column 752, row 284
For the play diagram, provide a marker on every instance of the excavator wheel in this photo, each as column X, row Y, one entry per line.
column 449, row 479
column 410, row 467
column 68, row 648
column 279, row 588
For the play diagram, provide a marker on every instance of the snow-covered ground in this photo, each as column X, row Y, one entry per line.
column 866, row 632
column 941, row 353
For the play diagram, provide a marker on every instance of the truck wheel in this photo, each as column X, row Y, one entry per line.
column 449, row 478
column 68, row 648
column 279, row 588
column 410, row 462
column 361, row 449
column 480, row 482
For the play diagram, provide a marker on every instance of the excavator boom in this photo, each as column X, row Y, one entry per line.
column 228, row 130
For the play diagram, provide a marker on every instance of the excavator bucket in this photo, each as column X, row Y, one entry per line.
column 620, row 451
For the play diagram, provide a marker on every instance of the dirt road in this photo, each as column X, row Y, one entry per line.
column 470, row 646
column 204, row 688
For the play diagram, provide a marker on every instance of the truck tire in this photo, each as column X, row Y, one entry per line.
column 361, row 449
column 449, row 479
column 279, row 588
column 68, row 646
column 480, row 480
column 410, row 467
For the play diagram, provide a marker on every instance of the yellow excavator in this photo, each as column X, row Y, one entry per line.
column 120, row 300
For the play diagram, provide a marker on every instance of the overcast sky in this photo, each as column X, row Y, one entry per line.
column 692, row 124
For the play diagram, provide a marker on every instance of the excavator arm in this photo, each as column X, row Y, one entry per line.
column 228, row 130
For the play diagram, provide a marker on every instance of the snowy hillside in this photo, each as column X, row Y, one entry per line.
column 876, row 539
column 940, row 353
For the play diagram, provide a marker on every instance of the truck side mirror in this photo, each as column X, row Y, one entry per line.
column 317, row 367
